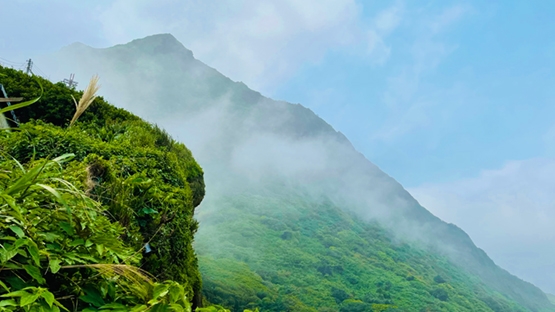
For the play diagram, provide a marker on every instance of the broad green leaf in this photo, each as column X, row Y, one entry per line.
column 93, row 297
column 8, row 302
column 160, row 290
column 48, row 297
column 17, row 293
column 34, row 252
column 100, row 249
column 22, row 253
column 67, row 228
column 28, row 298
column 54, row 265
column 77, row 242
column 50, row 237
column 54, row 247
column 34, row 272
column 17, row 230
column 20, row 242
column 139, row 308
column 176, row 293
column 45, row 308
column 177, row 308
column 6, row 255
column 12, row 266
column 148, row 210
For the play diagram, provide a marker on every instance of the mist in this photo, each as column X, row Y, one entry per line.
column 238, row 136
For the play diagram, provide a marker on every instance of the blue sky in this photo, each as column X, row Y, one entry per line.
column 446, row 103
column 454, row 99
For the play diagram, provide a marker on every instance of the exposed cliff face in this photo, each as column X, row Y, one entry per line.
column 247, row 142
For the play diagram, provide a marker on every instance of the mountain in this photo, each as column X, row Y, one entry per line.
column 294, row 218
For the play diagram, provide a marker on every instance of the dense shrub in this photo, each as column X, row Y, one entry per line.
column 146, row 181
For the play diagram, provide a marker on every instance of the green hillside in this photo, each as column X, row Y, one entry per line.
column 79, row 203
column 290, row 254
column 295, row 219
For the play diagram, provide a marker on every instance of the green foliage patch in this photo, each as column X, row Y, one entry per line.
column 309, row 255
column 143, row 187
column 60, row 250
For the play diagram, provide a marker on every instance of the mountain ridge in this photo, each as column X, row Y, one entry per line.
column 156, row 62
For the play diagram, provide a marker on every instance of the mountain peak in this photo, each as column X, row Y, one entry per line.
column 160, row 43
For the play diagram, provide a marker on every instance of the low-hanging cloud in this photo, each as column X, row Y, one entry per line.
column 508, row 211
column 259, row 42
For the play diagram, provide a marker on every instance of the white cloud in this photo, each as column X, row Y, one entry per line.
column 508, row 212
column 258, row 42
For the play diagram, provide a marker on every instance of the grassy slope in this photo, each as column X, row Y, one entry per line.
column 318, row 258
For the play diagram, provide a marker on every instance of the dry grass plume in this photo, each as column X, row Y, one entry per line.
column 86, row 100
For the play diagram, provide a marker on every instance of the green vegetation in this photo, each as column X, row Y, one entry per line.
column 293, row 253
column 82, row 205
column 61, row 251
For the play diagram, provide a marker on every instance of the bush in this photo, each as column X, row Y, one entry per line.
column 440, row 294
column 438, row 279
column 143, row 180
column 58, row 243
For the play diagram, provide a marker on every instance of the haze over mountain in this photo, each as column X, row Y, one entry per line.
column 249, row 144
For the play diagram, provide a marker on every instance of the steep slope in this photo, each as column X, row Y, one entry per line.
column 272, row 151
